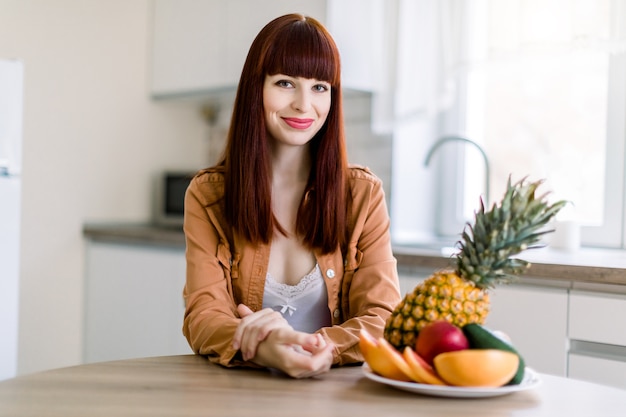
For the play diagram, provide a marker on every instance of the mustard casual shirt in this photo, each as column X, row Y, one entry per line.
column 224, row 270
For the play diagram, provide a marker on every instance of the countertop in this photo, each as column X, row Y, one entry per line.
column 136, row 233
column 583, row 269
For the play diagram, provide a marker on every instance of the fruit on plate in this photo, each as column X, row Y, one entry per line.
column 439, row 337
column 383, row 358
column 459, row 295
column 481, row 338
column 420, row 371
column 477, row 367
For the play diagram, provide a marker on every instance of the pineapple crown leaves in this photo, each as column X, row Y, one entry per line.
column 507, row 229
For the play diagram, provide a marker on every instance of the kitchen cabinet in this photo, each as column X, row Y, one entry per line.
column 199, row 46
column 598, row 317
column 133, row 301
column 535, row 318
column 598, row 341
column 601, row 370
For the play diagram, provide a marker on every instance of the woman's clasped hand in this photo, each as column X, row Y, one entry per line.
column 267, row 339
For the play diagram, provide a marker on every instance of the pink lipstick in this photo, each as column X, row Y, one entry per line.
column 297, row 123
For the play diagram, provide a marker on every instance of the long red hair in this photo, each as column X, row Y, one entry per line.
column 298, row 46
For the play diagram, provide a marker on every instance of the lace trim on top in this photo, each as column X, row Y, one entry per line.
column 292, row 292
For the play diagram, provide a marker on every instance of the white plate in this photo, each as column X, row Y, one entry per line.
column 531, row 380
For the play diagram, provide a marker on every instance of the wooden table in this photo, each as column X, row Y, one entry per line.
column 188, row 385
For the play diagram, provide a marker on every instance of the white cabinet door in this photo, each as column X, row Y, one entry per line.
column 364, row 41
column 200, row 46
column 188, row 51
column 536, row 320
column 598, row 317
column 597, row 369
column 133, row 302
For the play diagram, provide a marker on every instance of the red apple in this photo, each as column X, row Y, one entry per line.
column 439, row 337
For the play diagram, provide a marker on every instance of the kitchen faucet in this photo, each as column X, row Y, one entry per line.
column 445, row 139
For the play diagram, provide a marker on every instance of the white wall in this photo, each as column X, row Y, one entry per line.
column 92, row 142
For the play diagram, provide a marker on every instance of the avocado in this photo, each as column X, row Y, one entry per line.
column 481, row 338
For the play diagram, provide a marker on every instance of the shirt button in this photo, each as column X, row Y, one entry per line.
column 336, row 313
column 330, row 273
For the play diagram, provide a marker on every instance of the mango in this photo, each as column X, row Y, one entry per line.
column 382, row 357
column 480, row 337
column 476, row 367
column 420, row 370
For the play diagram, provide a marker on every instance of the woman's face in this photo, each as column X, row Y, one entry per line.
column 295, row 108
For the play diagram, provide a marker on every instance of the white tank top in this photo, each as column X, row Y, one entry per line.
column 304, row 305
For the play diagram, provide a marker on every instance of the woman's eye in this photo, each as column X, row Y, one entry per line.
column 321, row 87
column 284, row 83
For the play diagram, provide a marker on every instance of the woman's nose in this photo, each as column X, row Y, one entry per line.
column 302, row 101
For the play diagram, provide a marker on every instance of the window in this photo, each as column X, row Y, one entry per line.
column 540, row 85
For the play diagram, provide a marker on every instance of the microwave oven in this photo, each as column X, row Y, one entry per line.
column 169, row 199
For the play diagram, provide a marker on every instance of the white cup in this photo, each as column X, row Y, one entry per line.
column 566, row 235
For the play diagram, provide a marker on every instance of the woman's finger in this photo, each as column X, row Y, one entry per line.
column 244, row 310
column 313, row 364
column 308, row 342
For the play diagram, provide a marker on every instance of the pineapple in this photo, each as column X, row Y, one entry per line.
column 460, row 295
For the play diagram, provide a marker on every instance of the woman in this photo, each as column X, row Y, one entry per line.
column 288, row 248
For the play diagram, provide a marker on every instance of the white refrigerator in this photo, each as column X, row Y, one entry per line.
column 11, row 104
